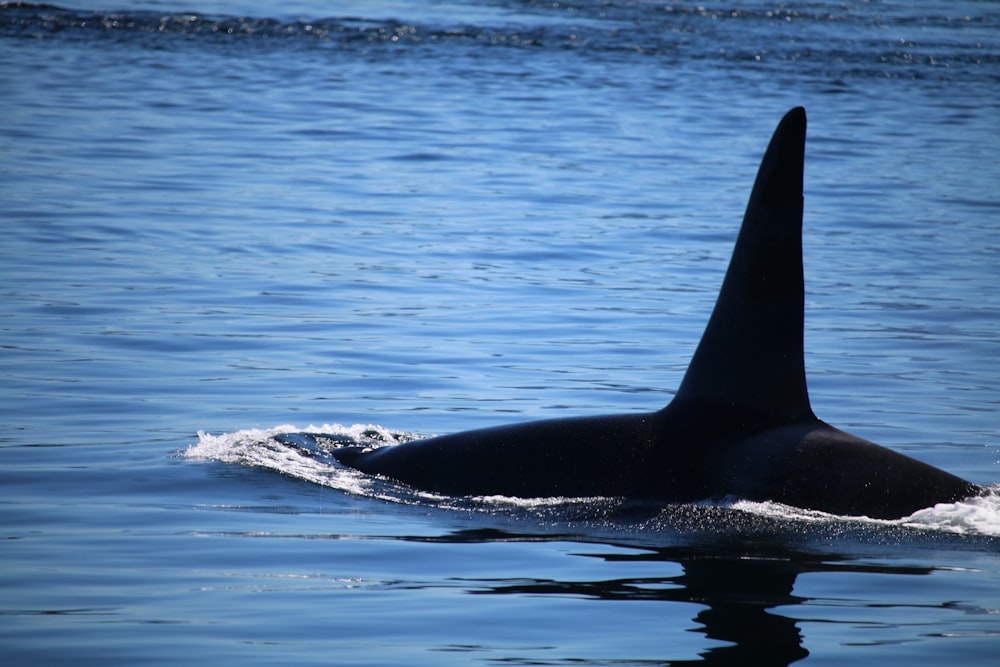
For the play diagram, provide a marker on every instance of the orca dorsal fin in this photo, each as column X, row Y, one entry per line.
column 750, row 358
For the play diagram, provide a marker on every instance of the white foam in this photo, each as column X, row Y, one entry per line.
column 979, row 515
column 774, row 510
column 255, row 447
column 231, row 447
column 531, row 503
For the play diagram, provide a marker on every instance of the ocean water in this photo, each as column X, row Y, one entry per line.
column 228, row 220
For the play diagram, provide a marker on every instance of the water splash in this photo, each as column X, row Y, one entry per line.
column 979, row 515
column 305, row 454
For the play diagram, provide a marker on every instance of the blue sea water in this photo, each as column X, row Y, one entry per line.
column 223, row 220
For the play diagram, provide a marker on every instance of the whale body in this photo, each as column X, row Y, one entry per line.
column 739, row 425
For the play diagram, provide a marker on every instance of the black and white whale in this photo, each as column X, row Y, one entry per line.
column 739, row 425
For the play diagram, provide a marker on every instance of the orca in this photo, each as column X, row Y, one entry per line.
column 740, row 424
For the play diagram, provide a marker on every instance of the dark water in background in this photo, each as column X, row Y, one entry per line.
column 223, row 217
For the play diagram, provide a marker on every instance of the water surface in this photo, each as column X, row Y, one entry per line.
column 231, row 218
